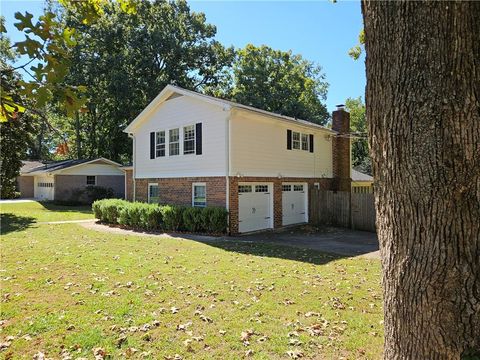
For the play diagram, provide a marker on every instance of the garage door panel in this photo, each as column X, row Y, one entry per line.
column 294, row 203
column 255, row 209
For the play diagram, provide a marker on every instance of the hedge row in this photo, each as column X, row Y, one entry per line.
column 161, row 217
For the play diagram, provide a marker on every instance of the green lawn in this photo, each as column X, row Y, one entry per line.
column 66, row 289
column 16, row 216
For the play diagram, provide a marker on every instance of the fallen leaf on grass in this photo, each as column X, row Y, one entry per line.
column 99, row 353
column 295, row 354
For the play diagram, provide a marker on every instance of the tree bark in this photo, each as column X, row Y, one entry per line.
column 423, row 113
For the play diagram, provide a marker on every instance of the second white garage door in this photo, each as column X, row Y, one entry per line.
column 255, row 207
column 294, row 203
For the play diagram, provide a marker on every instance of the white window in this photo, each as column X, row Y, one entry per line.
column 296, row 140
column 91, row 180
column 160, row 143
column 153, row 194
column 261, row 188
column 199, row 194
column 286, row 187
column 189, row 139
column 305, row 142
column 297, row 187
column 244, row 188
column 173, row 142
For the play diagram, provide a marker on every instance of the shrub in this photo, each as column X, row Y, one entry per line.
column 215, row 219
column 108, row 210
column 172, row 217
column 193, row 219
column 153, row 216
column 141, row 216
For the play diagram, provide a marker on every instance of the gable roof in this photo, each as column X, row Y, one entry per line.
column 37, row 167
column 226, row 104
column 358, row 176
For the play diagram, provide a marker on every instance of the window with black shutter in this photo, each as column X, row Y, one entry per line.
column 198, row 138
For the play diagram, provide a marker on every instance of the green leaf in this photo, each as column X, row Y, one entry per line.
column 25, row 21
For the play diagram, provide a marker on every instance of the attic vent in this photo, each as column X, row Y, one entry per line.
column 173, row 96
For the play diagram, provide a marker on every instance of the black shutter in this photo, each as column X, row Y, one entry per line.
column 311, row 143
column 152, row 145
column 198, row 138
column 289, row 139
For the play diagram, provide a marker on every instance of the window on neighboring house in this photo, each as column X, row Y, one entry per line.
column 91, row 180
column 189, row 139
column 296, row 140
column 160, row 143
column 305, row 142
column 199, row 195
column 173, row 142
column 153, row 194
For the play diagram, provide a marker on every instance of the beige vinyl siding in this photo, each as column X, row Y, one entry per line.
column 259, row 148
column 96, row 168
column 177, row 113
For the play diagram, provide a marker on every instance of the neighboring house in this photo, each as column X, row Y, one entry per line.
column 193, row 149
column 60, row 179
column 361, row 183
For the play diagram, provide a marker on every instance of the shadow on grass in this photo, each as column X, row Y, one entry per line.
column 10, row 223
column 276, row 251
column 52, row 206
column 264, row 249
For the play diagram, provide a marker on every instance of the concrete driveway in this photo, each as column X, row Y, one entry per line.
column 338, row 241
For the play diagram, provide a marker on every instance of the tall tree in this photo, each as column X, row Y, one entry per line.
column 358, row 125
column 279, row 81
column 125, row 60
column 15, row 134
column 423, row 110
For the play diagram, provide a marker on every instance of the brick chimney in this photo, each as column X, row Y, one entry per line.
column 341, row 150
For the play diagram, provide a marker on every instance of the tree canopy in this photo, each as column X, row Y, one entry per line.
column 279, row 81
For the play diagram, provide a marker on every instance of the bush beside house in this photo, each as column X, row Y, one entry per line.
column 145, row 216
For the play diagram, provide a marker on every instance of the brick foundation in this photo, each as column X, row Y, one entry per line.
column 178, row 191
column 129, row 185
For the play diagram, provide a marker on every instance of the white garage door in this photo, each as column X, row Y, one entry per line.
column 44, row 187
column 254, row 207
column 294, row 203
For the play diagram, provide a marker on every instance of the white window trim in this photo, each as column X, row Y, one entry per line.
column 193, row 193
column 86, row 180
column 300, row 141
column 194, row 139
column 165, row 143
column 148, row 190
column 180, row 140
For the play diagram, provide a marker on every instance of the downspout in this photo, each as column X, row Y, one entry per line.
column 227, row 160
column 134, row 168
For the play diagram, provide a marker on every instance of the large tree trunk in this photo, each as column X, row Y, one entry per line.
column 423, row 112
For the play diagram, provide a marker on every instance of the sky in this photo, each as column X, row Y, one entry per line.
column 321, row 31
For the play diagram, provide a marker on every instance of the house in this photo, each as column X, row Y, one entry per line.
column 197, row 150
column 60, row 179
column 361, row 183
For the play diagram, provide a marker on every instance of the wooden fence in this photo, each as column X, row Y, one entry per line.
column 344, row 209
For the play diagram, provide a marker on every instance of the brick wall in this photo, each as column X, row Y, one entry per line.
column 25, row 186
column 65, row 184
column 178, row 191
column 325, row 184
column 341, row 151
column 129, row 184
